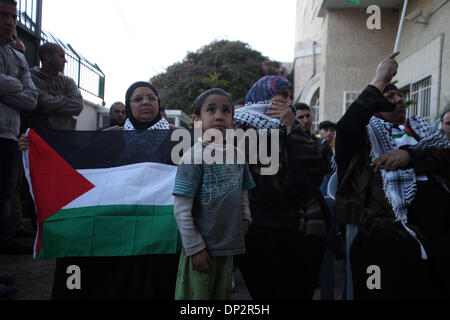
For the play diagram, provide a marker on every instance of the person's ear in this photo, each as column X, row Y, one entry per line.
column 196, row 118
column 47, row 58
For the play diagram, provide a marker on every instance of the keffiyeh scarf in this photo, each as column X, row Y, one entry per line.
column 254, row 116
column 161, row 124
column 400, row 186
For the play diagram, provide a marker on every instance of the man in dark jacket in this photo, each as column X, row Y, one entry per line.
column 393, row 187
column 17, row 93
column 117, row 116
column 303, row 115
column 59, row 98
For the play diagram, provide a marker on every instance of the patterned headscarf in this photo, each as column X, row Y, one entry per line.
column 253, row 115
column 266, row 87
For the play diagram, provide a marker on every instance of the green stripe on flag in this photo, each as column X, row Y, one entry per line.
column 400, row 135
column 116, row 230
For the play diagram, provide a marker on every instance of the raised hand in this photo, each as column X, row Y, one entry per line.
column 387, row 69
column 283, row 112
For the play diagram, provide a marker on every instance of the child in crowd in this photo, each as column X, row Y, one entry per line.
column 211, row 206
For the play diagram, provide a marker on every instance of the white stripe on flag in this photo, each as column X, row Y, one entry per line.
column 136, row 184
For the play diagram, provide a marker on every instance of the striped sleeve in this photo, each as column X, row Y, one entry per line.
column 247, row 181
column 188, row 179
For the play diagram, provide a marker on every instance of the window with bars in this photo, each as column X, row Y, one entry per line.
column 315, row 104
column 420, row 94
column 349, row 97
column 406, row 93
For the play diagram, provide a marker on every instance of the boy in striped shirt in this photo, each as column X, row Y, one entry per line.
column 211, row 206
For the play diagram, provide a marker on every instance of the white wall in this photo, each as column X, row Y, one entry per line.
column 350, row 52
column 425, row 50
column 352, row 55
column 87, row 120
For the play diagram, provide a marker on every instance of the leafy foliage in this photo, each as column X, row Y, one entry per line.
column 230, row 65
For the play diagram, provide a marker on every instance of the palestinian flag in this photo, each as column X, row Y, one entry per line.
column 102, row 193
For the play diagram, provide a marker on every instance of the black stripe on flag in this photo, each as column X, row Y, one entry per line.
column 106, row 149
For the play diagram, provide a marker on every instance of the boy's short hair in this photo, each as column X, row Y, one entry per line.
column 198, row 103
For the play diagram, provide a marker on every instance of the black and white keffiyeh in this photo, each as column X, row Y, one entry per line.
column 161, row 124
column 400, row 186
column 254, row 116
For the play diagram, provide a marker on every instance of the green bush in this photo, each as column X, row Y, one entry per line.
column 230, row 65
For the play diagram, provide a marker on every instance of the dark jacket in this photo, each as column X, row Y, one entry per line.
column 360, row 198
column 59, row 100
column 17, row 91
column 277, row 199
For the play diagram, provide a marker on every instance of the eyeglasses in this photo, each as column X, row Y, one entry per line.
column 149, row 97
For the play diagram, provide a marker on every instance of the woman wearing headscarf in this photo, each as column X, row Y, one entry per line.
column 284, row 247
column 143, row 108
column 127, row 277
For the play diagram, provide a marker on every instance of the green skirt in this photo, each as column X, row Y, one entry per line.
column 213, row 285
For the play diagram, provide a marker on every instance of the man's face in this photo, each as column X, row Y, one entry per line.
column 399, row 114
column 58, row 59
column 327, row 133
column 304, row 117
column 8, row 20
column 117, row 114
column 446, row 125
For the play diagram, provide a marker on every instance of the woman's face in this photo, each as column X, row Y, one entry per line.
column 284, row 96
column 144, row 104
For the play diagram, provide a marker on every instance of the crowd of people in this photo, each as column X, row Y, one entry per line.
column 281, row 230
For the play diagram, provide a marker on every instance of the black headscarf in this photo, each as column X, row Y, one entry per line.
column 138, row 125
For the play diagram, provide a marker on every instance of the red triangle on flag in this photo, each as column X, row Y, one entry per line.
column 55, row 183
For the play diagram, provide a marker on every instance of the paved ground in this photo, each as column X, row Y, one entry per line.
column 34, row 277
